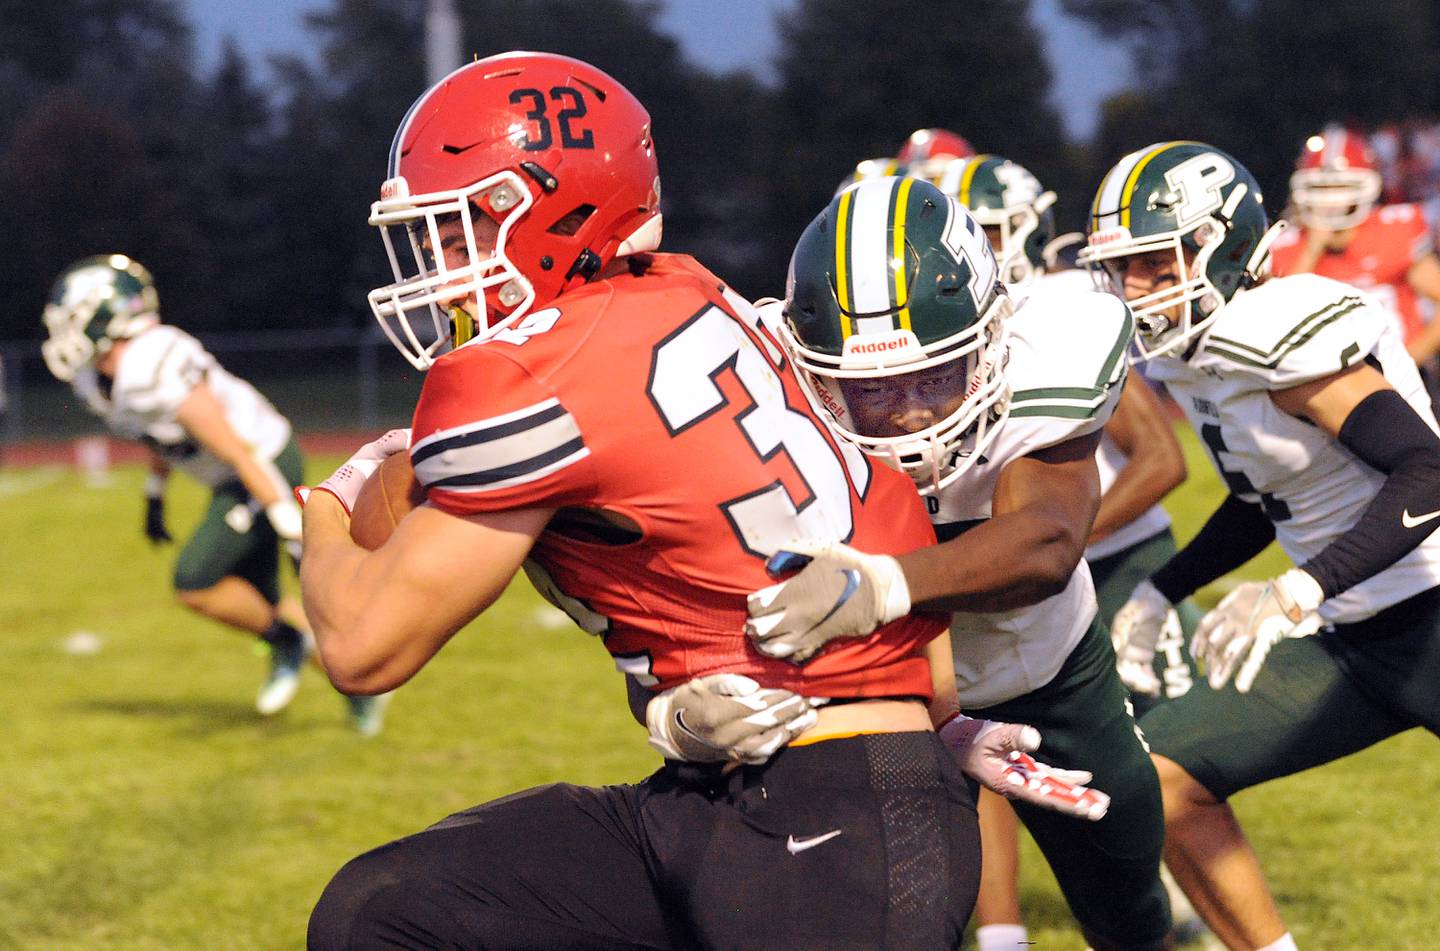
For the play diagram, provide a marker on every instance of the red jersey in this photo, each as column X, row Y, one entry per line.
column 1379, row 255
column 662, row 396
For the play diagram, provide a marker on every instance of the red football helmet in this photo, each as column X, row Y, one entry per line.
column 927, row 151
column 514, row 179
column 1336, row 181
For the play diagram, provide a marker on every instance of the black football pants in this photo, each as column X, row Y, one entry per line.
column 862, row 842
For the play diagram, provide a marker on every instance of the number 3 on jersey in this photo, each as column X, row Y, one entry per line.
column 684, row 387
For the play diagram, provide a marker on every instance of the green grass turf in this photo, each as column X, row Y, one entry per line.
column 143, row 804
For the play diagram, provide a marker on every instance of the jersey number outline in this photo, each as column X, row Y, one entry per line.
column 684, row 389
column 1238, row 482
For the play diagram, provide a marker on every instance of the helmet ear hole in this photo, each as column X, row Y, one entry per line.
column 572, row 221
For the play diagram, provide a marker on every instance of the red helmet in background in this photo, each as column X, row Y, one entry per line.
column 927, row 151
column 512, row 180
column 1336, row 180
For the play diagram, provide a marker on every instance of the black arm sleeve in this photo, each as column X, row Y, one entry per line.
column 1387, row 435
column 1235, row 533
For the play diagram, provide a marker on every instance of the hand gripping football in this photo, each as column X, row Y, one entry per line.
column 384, row 499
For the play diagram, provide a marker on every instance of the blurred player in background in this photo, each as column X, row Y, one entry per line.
column 997, row 416
column 927, row 151
column 155, row 384
column 624, row 425
column 1386, row 250
column 1317, row 421
column 1139, row 460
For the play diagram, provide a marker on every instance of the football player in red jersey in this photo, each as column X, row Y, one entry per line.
column 1388, row 250
column 624, row 425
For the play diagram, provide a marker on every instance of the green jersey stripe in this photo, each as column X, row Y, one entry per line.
column 1295, row 345
column 1057, row 392
column 1055, row 410
column 1348, row 304
column 1108, row 372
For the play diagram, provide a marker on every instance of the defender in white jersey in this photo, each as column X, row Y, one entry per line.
column 1139, row 462
column 997, row 419
column 1317, row 421
column 157, row 385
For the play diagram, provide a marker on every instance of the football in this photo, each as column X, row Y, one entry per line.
column 384, row 499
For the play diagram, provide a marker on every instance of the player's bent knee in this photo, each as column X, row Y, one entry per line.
column 362, row 903
column 1181, row 792
column 192, row 598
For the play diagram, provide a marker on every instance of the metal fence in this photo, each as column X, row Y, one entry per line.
column 324, row 380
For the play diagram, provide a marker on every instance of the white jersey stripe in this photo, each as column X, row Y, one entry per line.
column 505, row 450
column 490, row 422
column 522, row 478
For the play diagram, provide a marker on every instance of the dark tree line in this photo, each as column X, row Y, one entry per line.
column 1256, row 77
column 249, row 202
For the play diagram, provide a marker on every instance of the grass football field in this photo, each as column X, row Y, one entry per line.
column 143, row 803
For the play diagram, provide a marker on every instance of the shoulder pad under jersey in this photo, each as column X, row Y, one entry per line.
column 1068, row 360
column 1292, row 330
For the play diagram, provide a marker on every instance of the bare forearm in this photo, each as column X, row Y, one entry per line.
column 328, row 570
column 380, row 615
column 945, row 704
column 1007, row 562
column 362, row 627
column 1140, row 485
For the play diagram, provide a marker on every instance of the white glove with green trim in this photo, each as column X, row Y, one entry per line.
column 726, row 718
column 1236, row 637
column 837, row 592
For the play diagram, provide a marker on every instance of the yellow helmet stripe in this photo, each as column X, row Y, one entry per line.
column 842, row 255
column 1126, row 193
column 971, row 167
column 897, row 261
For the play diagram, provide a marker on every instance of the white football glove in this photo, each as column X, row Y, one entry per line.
column 838, row 592
column 721, row 718
column 345, row 483
column 997, row 755
column 1135, row 630
column 1236, row 637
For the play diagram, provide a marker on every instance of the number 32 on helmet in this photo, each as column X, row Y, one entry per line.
column 512, row 180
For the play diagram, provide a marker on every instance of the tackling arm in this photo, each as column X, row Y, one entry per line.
column 1154, row 464
column 1042, row 511
column 380, row 615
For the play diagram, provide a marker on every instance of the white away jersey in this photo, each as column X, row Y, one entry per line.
column 157, row 371
column 1067, row 363
column 1109, row 459
column 1288, row 331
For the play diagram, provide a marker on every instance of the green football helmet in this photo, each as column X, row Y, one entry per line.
column 1003, row 195
column 95, row 302
column 1190, row 199
column 896, row 320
